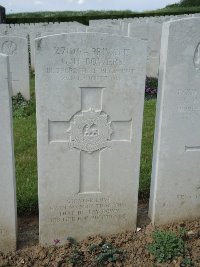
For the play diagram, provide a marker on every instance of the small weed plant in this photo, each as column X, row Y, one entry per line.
column 166, row 246
column 103, row 253
column 71, row 241
column 77, row 256
column 106, row 253
column 21, row 107
column 187, row 262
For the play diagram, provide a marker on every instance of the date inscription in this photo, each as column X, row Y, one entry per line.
column 93, row 64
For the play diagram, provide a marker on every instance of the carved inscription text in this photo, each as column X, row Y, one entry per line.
column 95, row 64
column 87, row 209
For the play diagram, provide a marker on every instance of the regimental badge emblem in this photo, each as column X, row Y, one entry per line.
column 90, row 131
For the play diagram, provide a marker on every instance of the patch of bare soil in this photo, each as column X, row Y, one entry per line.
column 128, row 249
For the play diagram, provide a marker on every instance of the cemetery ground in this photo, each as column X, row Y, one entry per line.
column 127, row 249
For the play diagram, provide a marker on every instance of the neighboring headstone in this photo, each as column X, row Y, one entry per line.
column 124, row 28
column 104, row 29
column 175, row 187
column 139, row 30
column 153, row 48
column 7, row 169
column 105, row 22
column 17, row 50
column 9, row 29
column 89, row 94
column 3, row 27
column 152, row 33
column 2, row 14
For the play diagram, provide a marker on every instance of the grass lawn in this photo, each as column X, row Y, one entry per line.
column 26, row 154
column 147, row 147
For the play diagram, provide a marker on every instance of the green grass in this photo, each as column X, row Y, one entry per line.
column 147, row 147
column 26, row 157
column 167, row 246
column 26, row 154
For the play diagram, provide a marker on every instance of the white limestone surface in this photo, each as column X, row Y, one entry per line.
column 151, row 32
column 175, row 186
column 57, row 29
column 153, row 48
column 89, row 94
column 104, row 22
column 114, row 29
column 138, row 30
column 7, row 163
column 17, row 50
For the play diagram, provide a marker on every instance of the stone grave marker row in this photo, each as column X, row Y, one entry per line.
column 90, row 96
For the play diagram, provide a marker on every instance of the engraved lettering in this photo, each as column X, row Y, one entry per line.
column 99, row 209
column 59, row 50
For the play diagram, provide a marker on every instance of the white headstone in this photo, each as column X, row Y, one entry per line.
column 105, row 29
column 7, row 169
column 104, row 22
column 124, row 28
column 89, row 93
column 138, row 30
column 175, row 188
column 40, row 32
column 17, row 50
column 153, row 48
column 152, row 33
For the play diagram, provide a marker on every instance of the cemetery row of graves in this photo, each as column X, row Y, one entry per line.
column 89, row 89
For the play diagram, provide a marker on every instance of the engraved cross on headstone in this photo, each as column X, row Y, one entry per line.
column 90, row 131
